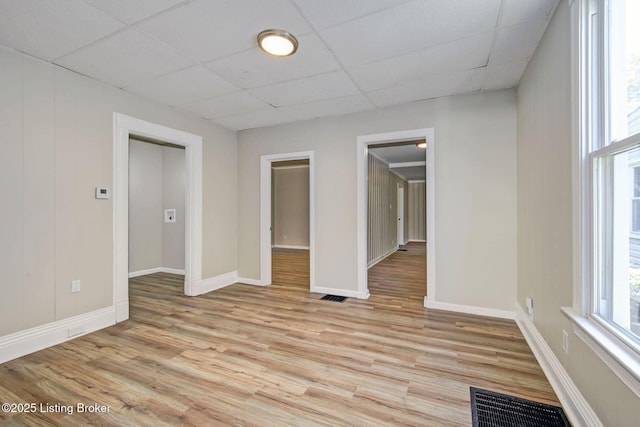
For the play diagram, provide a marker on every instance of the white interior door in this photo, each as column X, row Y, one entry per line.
column 400, row 215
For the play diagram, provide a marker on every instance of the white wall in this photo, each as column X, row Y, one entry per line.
column 545, row 220
column 475, row 172
column 56, row 133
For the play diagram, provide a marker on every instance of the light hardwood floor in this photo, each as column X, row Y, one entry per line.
column 278, row 356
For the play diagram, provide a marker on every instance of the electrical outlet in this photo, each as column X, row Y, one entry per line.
column 75, row 286
column 169, row 215
column 529, row 304
column 565, row 341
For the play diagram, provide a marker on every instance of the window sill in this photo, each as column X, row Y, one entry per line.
column 623, row 361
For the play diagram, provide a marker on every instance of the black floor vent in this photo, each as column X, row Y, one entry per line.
column 491, row 409
column 336, row 298
column 402, row 250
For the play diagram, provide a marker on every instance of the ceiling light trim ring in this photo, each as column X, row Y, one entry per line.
column 282, row 35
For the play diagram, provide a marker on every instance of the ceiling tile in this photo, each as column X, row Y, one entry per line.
column 184, row 86
column 432, row 87
column 124, row 58
column 464, row 54
column 327, row 13
column 268, row 117
column 400, row 153
column 329, row 107
column 48, row 29
column 316, row 88
column 207, row 30
column 516, row 42
column 409, row 27
column 226, row 105
column 253, row 68
column 132, row 11
column 416, row 173
column 519, row 11
column 504, row 76
column 201, row 55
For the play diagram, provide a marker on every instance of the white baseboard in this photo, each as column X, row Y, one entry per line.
column 381, row 257
column 573, row 402
column 306, row 248
column 122, row 310
column 417, row 241
column 340, row 292
column 155, row 270
column 252, row 282
column 214, row 283
column 470, row 309
column 31, row 340
column 172, row 270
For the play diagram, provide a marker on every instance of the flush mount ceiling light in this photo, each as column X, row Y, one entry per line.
column 422, row 144
column 277, row 42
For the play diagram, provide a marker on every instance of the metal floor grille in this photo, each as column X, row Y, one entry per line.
column 491, row 409
column 335, row 298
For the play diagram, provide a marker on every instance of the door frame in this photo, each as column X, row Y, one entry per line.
column 123, row 128
column 363, row 143
column 265, row 213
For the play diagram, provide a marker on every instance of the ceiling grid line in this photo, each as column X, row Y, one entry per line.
column 201, row 58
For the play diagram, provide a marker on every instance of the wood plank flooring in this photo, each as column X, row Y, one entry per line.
column 402, row 275
column 277, row 356
column 290, row 268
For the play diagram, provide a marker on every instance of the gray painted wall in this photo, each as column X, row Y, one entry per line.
column 156, row 183
column 56, row 129
column 145, row 206
column 290, row 204
column 475, row 150
column 173, row 197
column 545, row 220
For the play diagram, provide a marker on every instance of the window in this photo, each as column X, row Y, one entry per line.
column 635, row 206
column 614, row 146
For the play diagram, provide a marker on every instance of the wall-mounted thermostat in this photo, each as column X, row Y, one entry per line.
column 169, row 215
column 102, row 193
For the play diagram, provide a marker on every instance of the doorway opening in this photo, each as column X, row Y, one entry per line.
column 371, row 251
column 283, row 230
column 156, row 207
column 290, row 223
column 126, row 127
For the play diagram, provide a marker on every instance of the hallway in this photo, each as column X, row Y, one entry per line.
column 402, row 275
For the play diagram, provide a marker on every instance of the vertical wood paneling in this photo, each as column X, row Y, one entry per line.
column 417, row 211
column 382, row 194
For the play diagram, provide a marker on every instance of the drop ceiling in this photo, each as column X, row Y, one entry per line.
column 201, row 57
column 404, row 159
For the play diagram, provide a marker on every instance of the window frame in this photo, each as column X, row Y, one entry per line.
column 599, row 246
column 635, row 166
column 589, row 114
